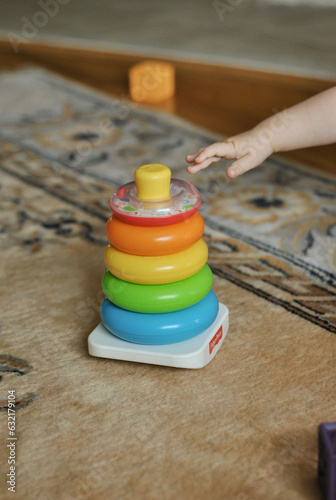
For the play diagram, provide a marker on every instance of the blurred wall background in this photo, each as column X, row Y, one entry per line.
column 286, row 36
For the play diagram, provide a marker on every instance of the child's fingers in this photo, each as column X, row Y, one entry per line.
column 242, row 165
column 191, row 158
column 218, row 149
column 196, row 167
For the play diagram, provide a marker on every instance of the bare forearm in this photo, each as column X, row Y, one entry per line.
column 309, row 123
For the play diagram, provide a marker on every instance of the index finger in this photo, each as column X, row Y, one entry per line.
column 219, row 149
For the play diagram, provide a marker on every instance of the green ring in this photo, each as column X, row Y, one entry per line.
column 158, row 298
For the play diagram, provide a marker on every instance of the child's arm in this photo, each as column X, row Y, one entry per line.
column 310, row 123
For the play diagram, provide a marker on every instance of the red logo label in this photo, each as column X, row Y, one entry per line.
column 215, row 339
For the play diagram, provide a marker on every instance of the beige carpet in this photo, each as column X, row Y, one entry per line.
column 242, row 428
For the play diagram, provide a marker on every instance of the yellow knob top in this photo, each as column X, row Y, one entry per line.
column 153, row 182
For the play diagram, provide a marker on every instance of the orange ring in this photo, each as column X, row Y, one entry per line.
column 154, row 241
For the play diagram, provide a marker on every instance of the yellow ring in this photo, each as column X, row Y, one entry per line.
column 156, row 270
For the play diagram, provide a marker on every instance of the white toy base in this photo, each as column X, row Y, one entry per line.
column 193, row 353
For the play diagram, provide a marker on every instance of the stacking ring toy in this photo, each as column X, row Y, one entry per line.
column 157, row 329
column 154, row 199
column 158, row 298
column 162, row 240
column 156, row 270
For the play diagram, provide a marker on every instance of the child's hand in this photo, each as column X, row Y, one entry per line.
column 249, row 150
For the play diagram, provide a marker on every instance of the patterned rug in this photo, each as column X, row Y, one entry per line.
column 244, row 427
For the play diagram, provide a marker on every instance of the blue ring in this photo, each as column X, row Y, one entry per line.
column 158, row 329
